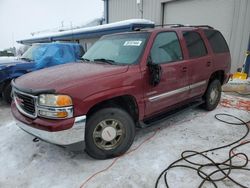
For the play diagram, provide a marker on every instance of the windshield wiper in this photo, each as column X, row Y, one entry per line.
column 26, row 59
column 84, row 59
column 109, row 61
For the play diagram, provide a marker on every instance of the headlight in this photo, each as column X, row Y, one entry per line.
column 55, row 106
column 54, row 100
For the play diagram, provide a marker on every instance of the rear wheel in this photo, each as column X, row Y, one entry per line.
column 109, row 133
column 212, row 95
column 7, row 93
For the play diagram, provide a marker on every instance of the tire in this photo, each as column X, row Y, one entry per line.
column 109, row 133
column 7, row 93
column 212, row 95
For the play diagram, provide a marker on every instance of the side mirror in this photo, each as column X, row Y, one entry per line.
column 155, row 72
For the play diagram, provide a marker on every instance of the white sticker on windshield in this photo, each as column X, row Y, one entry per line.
column 132, row 43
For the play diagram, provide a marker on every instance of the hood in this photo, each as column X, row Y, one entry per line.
column 4, row 60
column 11, row 61
column 63, row 76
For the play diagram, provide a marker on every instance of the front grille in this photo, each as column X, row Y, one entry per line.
column 25, row 103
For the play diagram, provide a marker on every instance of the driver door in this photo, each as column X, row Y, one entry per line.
column 173, row 86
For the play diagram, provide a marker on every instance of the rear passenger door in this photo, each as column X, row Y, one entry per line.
column 199, row 63
column 173, row 87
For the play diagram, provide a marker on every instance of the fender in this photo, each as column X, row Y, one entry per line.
column 12, row 72
column 18, row 74
column 90, row 101
column 13, row 76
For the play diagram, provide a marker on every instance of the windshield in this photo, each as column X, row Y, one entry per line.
column 30, row 53
column 117, row 49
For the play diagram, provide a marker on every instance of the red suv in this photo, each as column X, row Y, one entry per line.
column 124, row 81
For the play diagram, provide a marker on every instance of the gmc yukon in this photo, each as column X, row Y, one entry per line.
column 125, row 81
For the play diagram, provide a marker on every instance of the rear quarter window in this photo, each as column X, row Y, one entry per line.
column 216, row 41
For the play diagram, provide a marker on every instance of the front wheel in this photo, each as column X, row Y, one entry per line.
column 109, row 133
column 212, row 95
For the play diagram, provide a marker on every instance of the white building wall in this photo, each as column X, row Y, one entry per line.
column 231, row 17
column 122, row 9
column 127, row 9
column 240, row 32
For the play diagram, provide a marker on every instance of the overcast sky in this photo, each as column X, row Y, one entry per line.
column 18, row 18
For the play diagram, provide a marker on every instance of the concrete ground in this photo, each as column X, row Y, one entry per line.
column 25, row 164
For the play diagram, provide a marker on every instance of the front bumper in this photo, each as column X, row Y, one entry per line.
column 65, row 137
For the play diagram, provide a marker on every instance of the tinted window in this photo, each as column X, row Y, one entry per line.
column 120, row 48
column 166, row 48
column 195, row 44
column 216, row 41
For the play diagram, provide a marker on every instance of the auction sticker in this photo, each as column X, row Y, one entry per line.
column 132, row 43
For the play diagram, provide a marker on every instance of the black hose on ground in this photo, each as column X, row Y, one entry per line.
column 35, row 139
column 224, row 168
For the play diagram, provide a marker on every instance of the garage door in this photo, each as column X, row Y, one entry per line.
column 216, row 13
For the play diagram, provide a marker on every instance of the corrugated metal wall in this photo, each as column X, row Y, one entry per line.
column 122, row 9
column 240, row 32
column 237, row 37
column 128, row 9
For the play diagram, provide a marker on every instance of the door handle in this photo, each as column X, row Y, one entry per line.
column 184, row 69
column 208, row 64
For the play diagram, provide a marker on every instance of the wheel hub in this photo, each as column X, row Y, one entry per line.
column 214, row 95
column 108, row 133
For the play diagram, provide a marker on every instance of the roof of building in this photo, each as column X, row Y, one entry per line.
column 90, row 32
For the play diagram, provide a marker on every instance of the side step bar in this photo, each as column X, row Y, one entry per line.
column 165, row 116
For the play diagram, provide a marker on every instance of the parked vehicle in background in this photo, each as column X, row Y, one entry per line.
column 126, row 80
column 38, row 56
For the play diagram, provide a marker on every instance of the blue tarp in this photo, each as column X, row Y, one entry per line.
column 47, row 55
column 40, row 56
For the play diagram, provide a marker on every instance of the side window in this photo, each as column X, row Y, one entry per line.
column 195, row 44
column 216, row 41
column 166, row 48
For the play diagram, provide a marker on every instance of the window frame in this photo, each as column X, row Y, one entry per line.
column 203, row 41
column 177, row 35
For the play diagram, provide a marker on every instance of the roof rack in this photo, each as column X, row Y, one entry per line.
column 207, row 26
column 170, row 25
column 181, row 25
